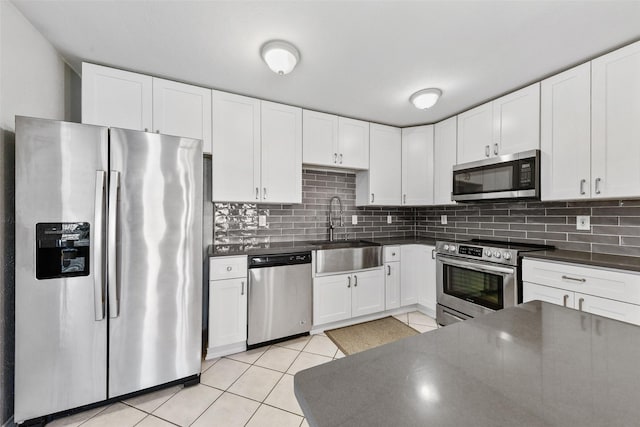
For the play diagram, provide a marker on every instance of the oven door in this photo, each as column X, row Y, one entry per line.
column 475, row 287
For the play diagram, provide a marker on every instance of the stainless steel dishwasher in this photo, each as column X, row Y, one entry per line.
column 280, row 292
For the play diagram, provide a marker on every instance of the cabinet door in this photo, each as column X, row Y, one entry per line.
column 182, row 110
column 565, row 139
column 475, row 134
column 385, row 168
column 331, row 299
column 516, row 120
column 532, row 291
column 444, row 158
column 320, row 138
column 281, row 153
column 235, row 157
column 367, row 292
column 392, row 285
column 411, row 273
column 353, row 143
column 612, row 309
column 615, row 128
column 417, row 166
column 227, row 312
column 427, row 281
column 117, row 98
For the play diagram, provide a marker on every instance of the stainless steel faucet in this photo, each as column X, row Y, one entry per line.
column 332, row 216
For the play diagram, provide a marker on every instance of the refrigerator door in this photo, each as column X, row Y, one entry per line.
column 155, row 259
column 61, row 329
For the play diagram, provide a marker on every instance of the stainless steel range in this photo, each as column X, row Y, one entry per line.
column 478, row 276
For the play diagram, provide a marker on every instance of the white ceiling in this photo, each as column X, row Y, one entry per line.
column 361, row 59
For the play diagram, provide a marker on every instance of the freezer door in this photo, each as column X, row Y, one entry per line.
column 61, row 330
column 155, row 259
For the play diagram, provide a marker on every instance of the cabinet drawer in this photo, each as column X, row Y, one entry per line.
column 532, row 291
column 227, row 267
column 617, row 310
column 391, row 253
column 612, row 284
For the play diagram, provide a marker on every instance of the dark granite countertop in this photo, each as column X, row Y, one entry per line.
column 587, row 258
column 533, row 365
column 298, row 246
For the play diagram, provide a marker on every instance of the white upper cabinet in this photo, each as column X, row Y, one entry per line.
column 117, row 98
column 475, row 134
column 329, row 140
column 507, row 125
column 353, row 143
column 320, row 138
column 445, row 136
column 417, row 166
column 235, row 166
column 565, row 138
column 281, row 153
column 615, row 123
column 516, row 121
column 182, row 110
column 382, row 183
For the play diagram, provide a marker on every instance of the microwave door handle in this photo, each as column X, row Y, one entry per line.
column 98, row 246
column 475, row 266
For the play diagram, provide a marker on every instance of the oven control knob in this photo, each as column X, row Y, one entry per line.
column 452, row 248
column 506, row 255
column 445, row 247
column 497, row 254
column 487, row 253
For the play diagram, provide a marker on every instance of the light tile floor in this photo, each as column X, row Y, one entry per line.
column 253, row 389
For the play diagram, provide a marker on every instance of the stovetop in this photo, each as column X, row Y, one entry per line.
column 488, row 250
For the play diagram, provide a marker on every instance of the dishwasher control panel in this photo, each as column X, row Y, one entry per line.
column 258, row 261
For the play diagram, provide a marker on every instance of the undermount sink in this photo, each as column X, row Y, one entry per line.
column 347, row 255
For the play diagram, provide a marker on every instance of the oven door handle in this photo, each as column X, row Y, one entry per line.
column 475, row 266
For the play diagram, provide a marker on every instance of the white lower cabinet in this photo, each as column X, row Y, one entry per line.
column 427, row 284
column 392, row 285
column 227, row 327
column 418, row 276
column 573, row 286
column 343, row 296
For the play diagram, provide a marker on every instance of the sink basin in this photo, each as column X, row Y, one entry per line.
column 341, row 244
column 347, row 255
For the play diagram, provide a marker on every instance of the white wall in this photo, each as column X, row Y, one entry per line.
column 32, row 83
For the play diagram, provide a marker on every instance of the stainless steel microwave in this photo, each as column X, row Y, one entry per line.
column 512, row 176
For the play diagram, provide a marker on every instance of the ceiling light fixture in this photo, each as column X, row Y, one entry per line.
column 280, row 56
column 425, row 98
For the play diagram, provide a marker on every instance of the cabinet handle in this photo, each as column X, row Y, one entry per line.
column 393, row 254
column 574, row 279
column 495, row 149
column 486, row 151
column 157, row 130
column 598, row 185
column 257, row 193
column 355, row 280
column 340, row 158
column 335, row 157
column 580, row 302
column 433, row 254
column 146, row 129
column 242, row 291
column 564, row 300
column 372, row 198
column 229, row 268
column 404, row 199
column 582, row 182
column 388, row 270
column 264, row 191
column 348, row 281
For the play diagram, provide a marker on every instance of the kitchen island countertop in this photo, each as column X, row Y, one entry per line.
column 536, row 364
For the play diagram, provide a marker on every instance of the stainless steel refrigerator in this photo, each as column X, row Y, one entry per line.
column 108, row 263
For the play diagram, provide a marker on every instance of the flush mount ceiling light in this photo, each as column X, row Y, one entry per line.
column 280, row 56
column 425, row 98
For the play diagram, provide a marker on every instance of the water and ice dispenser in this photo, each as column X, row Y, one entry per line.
column 62, row 249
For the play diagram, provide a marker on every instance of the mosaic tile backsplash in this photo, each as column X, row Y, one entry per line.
column 615, row 224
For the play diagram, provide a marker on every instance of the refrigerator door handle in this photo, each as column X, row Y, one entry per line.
column 98, row 246
column 114, row 185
